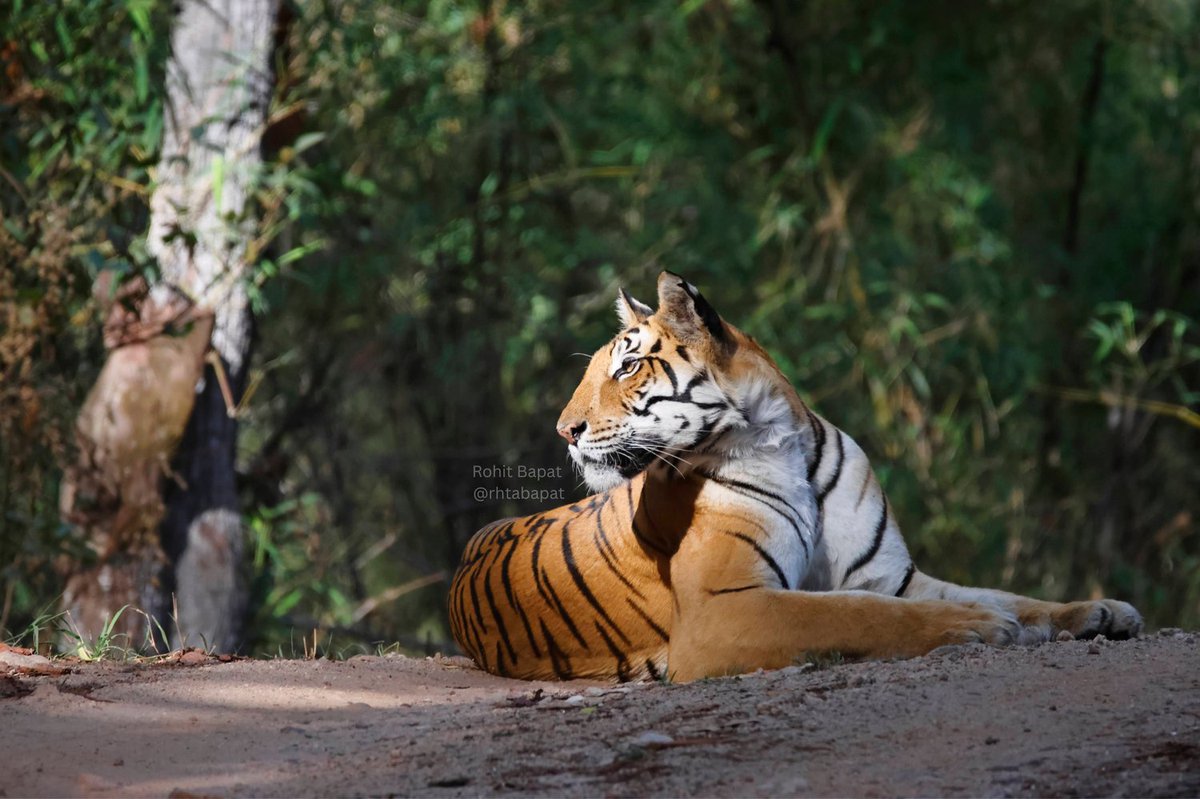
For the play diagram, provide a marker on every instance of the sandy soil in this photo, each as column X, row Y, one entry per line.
column 1069, row 719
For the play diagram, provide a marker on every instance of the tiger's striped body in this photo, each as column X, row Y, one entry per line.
column 735, row 529
column 510, row 607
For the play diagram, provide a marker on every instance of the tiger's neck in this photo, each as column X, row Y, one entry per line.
column 767, row 438
column 751, row 474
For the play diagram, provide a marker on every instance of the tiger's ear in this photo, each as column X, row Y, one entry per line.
column 630, row 311
column 686, row 313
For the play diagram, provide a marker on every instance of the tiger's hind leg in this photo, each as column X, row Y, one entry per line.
column 732, row 615
column 1040, row 620
column 732, row 631
column 863, row 549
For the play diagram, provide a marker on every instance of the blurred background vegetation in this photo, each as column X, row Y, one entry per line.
column 968, row 232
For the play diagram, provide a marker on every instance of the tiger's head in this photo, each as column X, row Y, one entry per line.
column 678, row 384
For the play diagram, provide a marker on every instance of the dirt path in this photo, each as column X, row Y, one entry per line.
column 1076, row 719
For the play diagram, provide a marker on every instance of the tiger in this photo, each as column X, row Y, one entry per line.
column 733, row 529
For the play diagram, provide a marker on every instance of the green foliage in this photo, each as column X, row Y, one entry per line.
column 80, row 121
column 967, row 233
column 879, row 193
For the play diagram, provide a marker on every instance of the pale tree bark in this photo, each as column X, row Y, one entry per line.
column 185, row 572
column 218, row 89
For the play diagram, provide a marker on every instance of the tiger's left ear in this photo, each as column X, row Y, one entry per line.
column 630, row 311
column 685, row 311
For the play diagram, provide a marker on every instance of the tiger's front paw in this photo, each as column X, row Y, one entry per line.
column 1108, row 617
column 970, row 623
column 988, row 625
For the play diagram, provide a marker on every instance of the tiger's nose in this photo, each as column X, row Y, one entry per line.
column 571, row 431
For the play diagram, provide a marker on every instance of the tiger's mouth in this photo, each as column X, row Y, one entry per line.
column 608, row 468
column 627, row 464
column 633, row 464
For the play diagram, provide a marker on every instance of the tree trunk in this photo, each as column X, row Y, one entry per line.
column 218, row 89
column 130, row 423
column 184, row 574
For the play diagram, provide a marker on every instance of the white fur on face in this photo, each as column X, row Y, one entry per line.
column 598, row 478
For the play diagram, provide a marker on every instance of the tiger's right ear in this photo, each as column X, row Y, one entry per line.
column 630, row 311
column 685, row 312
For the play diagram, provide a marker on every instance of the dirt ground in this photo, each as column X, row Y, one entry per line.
column 1063, row 719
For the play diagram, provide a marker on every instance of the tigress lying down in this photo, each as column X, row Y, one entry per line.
column 735, row 530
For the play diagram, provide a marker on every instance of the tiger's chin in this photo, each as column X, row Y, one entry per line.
column 602, row 475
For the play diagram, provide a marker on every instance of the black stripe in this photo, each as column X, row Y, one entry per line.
column 729, row 481
column 617, row 653
column 837, row 471
column 537, row 522
column 603, row 543
column 719, row 404
column 705, row 432
column 558, row 659
column 684, row 396
column 512, row 599
column 463, row 598
column 738, row 590
column 452, row 601
column 659, row 631
column 818, row 443
column 475, row 640
column 491, row 599
column 866, row 557
column 667, row 370
column 469, row 625
column 908, row 575
column 503, row 672
column 862, row 492
column 762, row 553
column 477, row 606
column 562, row 611
column 504, row 532
column 617, row 572
column 472, row 575
column 654, row 673
column 581, row 584
column 535, row 567
column 762, row 492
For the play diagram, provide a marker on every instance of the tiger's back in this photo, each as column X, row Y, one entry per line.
column 515, row 600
